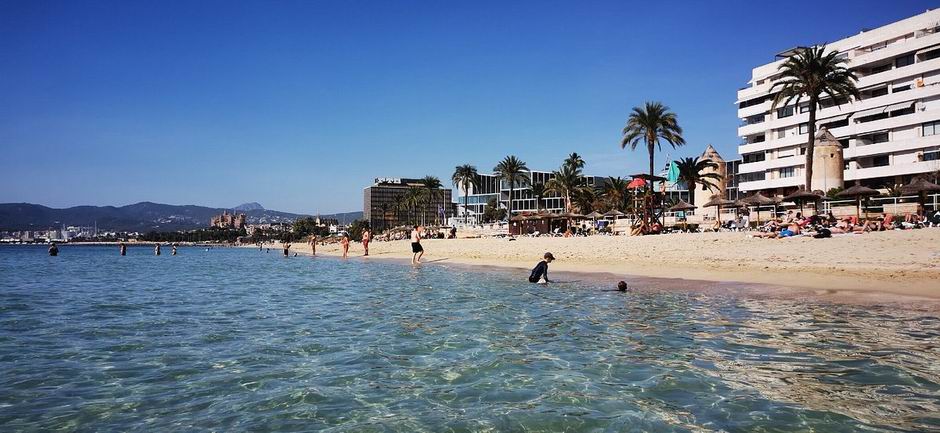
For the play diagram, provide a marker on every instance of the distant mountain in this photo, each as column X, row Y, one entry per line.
column 244, row 207
column 139, row 217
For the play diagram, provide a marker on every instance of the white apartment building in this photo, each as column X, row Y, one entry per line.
column 891, row 134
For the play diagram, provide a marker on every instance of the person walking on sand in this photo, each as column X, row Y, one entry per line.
column 123, row 247
column 540, row 271
column 366, row 237
column 416, row 247
column 345, row 243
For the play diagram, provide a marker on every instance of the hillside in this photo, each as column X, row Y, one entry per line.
column 139, row 217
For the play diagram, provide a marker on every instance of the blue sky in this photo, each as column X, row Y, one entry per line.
column 299, row 105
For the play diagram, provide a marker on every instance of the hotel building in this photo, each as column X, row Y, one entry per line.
column 381, row 199
column 490, row 186
column 889, row 135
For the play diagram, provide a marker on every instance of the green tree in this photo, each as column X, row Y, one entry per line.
column 492, row 212
column 812, row 73
column 650, row 124
column 513, row 171
column 465, row 176
column 575, row 161
column 432, row 185
column 691, row 172
column 585, row 199
column 566, row 181
column 616, row 193
column 538, row 191
column 413, row 198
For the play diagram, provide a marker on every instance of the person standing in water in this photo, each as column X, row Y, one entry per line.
column 345, row 243
column 313, row 244
column 53, row 250
column 416, row 247
column 287, row 250
column 366, row 237
column 174, row 249
column 540, row 272
column 156, row 250
column 123, row 247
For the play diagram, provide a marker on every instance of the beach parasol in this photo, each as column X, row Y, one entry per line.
column 594, row 215
column 682, row 206
column 519, row 217
column 636, row 183
column 614, row 213
column 718, row 202
column 801, row 196
column 857, row 192
column 920, row 185
column 757, row 200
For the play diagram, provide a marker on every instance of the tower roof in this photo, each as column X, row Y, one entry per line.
column 711, row 154
column 824, row 136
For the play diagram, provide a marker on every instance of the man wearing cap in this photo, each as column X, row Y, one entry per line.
column 540, row 272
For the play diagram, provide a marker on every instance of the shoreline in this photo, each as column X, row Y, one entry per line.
column 882, row 264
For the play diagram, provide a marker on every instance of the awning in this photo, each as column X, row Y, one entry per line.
column 884, row 109
column 869, row 112
column 924, row 50
column 838, row 118
column 898, row 106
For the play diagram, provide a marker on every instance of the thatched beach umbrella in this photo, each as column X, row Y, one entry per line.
column 921, row 187
column 801, row 196
column 857, row 192
column 594, row 215
column 682, row 206
column 718, row 202
column 757, row 200
column 614, row 213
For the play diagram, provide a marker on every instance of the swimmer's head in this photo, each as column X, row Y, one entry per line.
column 622, row 286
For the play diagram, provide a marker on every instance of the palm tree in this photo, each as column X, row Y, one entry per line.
column 464, row 176
column 512, row 170
column 538, row 190
column 584, row 198
column 690, row 172
column 574, row 160
column 399, row 203
column 413, row 196
column 566, row 181
column 650, row 124
column 384, row 208
column 812, row 73
column 433, row 186
column 615, row 192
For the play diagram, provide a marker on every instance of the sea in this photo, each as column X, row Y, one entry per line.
column 244, row 340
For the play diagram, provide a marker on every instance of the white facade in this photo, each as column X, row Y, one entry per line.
column 892, row 132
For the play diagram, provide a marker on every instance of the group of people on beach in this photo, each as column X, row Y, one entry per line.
column 824, row 226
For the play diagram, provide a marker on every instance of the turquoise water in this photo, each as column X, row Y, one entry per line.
column 239, row 340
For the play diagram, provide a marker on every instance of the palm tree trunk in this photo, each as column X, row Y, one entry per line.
column 649, row 201
column 466, row 211
column 509, row 203
column 811, row 144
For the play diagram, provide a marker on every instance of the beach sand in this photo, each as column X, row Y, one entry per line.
column 894, row 262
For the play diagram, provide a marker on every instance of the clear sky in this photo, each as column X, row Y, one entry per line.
column 299, row 105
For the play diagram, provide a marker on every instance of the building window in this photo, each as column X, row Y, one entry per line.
column 903, row 112
column 804, row 128
column 837, row 124
column 903, row 61
column 931, row 128
column 845, row 143
column 880, row 137
column 930, row 55
column 757, row 139
column 784, row 112
column 753, row 157
column 804, row 108
column 880, row 69
column 933, row 155
column 787, row 172
column 879, row 161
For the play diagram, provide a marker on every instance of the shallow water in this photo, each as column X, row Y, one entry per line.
column 239, row 340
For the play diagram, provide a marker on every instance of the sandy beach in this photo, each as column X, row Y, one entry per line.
column 894, row 262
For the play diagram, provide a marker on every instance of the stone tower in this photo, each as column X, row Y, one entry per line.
column 828, row 165
column 701, row 197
